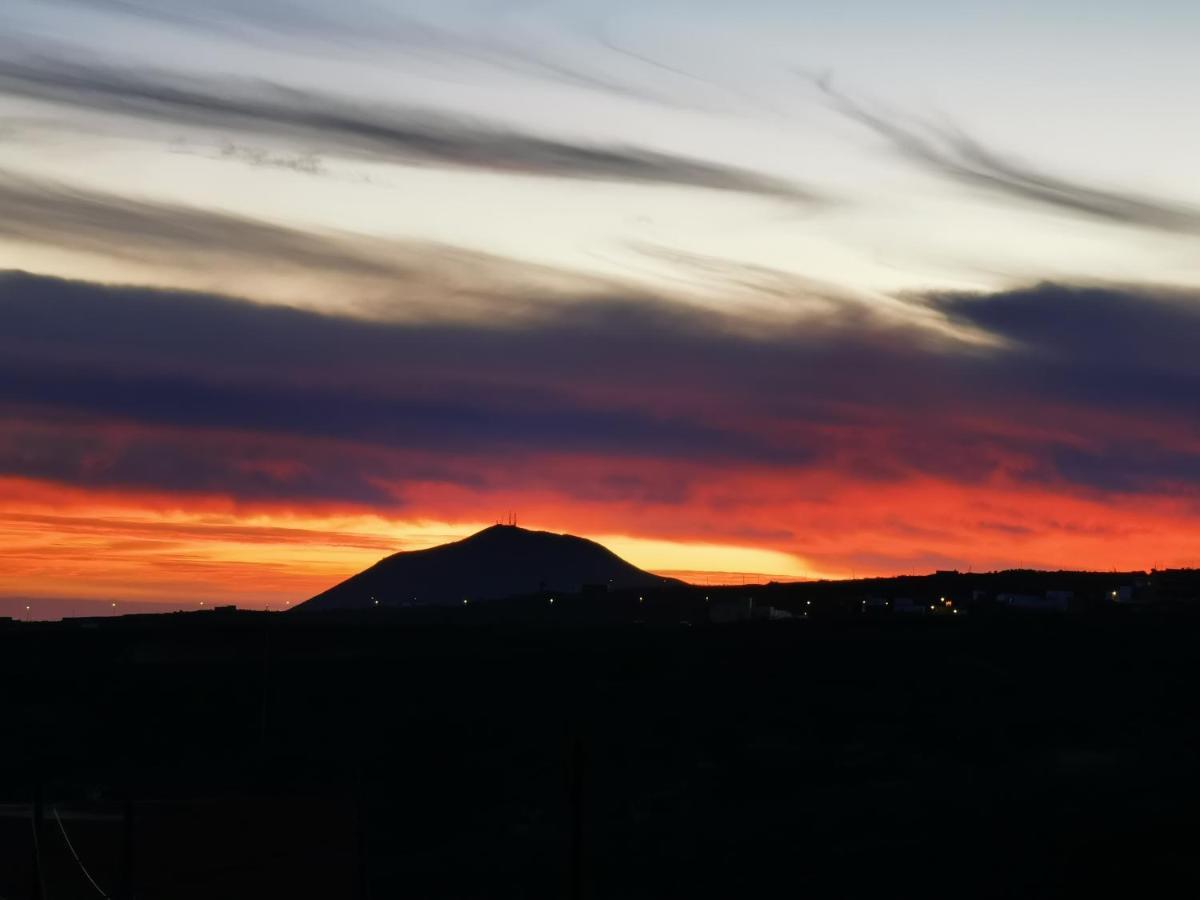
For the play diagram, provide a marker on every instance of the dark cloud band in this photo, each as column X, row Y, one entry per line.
column 1087, row 388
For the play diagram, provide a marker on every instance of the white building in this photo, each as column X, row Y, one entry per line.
column 1057, row 603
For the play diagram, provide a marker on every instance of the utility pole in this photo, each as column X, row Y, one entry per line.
column 576, row 799
column 127, row 851
column 362, row 847
column 37, row 814
column 266, row 686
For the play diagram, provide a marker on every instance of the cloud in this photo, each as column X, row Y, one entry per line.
column 383, row 132
column 59, row 215
column 261, row 158
column 199, row 362
column 196, row 388
column 950, row 152
column 104, row 454
column 1111, row 347
column 206, row 248
column 241, row 18
column 495, row 41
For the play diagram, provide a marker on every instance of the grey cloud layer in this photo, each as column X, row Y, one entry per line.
column 1089, row 387
column 954, row 154
column 395, row 134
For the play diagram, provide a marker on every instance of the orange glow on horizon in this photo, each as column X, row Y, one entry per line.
column 71, row 543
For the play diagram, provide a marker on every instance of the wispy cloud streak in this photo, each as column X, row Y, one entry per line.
column 379, row 278
column 55, row 214
column 390, row 133
column 950, row 152
column 496, row 43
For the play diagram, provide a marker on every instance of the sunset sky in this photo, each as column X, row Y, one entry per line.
column 767, row 289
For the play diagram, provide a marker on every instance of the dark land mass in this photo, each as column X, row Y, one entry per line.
column 498, row 562
column 620, row 744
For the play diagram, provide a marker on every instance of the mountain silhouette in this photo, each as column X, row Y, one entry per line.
column 500, row 561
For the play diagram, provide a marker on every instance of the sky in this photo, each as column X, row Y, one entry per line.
column 768, row 289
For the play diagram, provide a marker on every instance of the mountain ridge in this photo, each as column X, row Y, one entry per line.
column 498, row 562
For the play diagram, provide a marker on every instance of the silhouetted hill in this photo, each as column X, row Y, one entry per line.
column 500, row 561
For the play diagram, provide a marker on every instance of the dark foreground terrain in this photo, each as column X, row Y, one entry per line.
column 257, row 755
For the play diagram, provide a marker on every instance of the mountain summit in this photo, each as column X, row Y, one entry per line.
column 500, row 561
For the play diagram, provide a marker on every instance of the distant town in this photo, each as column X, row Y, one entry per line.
column 941, row 595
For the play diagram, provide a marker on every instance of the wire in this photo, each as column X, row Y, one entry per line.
column 82, row 867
